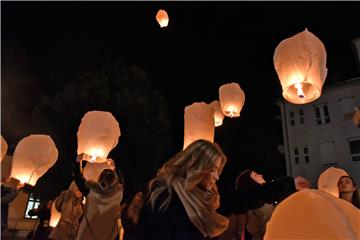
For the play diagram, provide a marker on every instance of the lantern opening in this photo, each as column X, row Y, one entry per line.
column 300, row 92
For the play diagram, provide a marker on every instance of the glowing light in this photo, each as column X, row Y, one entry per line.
column 300, row 92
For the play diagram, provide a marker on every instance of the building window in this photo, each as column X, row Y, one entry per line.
column 328, row 153
column 306, row 154
column 322, row 114
column 296, row 155
column 301, row 114
column 292, row 118
column 33, row 203
column 355, row 149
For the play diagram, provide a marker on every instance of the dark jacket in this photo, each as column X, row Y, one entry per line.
column 172, row 224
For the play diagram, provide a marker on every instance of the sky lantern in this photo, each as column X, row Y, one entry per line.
column 33, row 156
column 312, row 214
column 329, row 179
column 4, row 148
column 232, row 99
column 92, row 170
column 97, row 135
column 300, row 63
column 198, row 123
column 162, row 18
column 218, row 114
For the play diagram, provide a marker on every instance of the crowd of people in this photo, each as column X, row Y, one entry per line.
column 181, row 202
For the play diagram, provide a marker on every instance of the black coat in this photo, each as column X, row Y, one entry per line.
column 172, row 224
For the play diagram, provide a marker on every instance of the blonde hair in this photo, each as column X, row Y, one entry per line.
column 188, row 166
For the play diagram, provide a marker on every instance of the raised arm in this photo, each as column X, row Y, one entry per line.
column 79, row 178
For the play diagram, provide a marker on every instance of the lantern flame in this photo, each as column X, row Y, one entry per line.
column 300, row 92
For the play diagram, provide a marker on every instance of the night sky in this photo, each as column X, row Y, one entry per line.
column 206, row 44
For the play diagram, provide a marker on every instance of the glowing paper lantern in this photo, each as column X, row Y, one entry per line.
column 55, row 216
column 198, row 123
column 33, row 156
column 162, row 18
column 300, row 62
column 232, row 99
column 328, row 180
column 355, row 119
column 4, row 148
column 92, row 170
column 98, row 134
column 218, row 114
column 312, row 214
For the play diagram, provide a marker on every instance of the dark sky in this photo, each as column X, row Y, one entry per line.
column 206, row 45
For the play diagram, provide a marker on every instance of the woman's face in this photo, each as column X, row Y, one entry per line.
column 346, row 185
column 210, row 178
column 257, row 177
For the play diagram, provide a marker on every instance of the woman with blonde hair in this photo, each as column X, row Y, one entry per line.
column 183, row 197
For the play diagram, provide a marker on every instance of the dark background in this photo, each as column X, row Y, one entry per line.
column 46, row 45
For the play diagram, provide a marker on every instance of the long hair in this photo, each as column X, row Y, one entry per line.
column 188, row 166
column 355, row 200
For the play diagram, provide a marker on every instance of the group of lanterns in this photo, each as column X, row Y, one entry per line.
column 97, row 135
column 200, row 119
column 300, row 62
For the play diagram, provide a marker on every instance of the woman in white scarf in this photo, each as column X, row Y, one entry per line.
column 183, row 197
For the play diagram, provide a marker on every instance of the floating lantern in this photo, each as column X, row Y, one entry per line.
column 198, row 123
column 92, row 170
column 218, row 114
column 4, row 148
column 312, row 214
column 33, row 156
column 328, row 180
column 162, row 18
column 300, row 62
column 232, row 99
column 98, row 134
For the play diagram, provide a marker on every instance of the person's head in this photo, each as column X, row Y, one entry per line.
column 198, row 165
column 301, row 183
column 248, row 179
column 347, row 185
column 108, row 178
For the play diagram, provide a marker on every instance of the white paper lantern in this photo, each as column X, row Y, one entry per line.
column 312, row 214
column 33, row 156
column 300, row 62
column 198, row 123
column 98, row 134
column 162, row 18
column 232, row 99
column 218, row 114
column 328, row 180
column 55, row 216
column 92, row 170
column 4, row 148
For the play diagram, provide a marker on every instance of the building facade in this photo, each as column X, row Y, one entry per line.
column 322, row 133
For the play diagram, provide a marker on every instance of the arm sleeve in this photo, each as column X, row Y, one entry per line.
column 79, row 179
